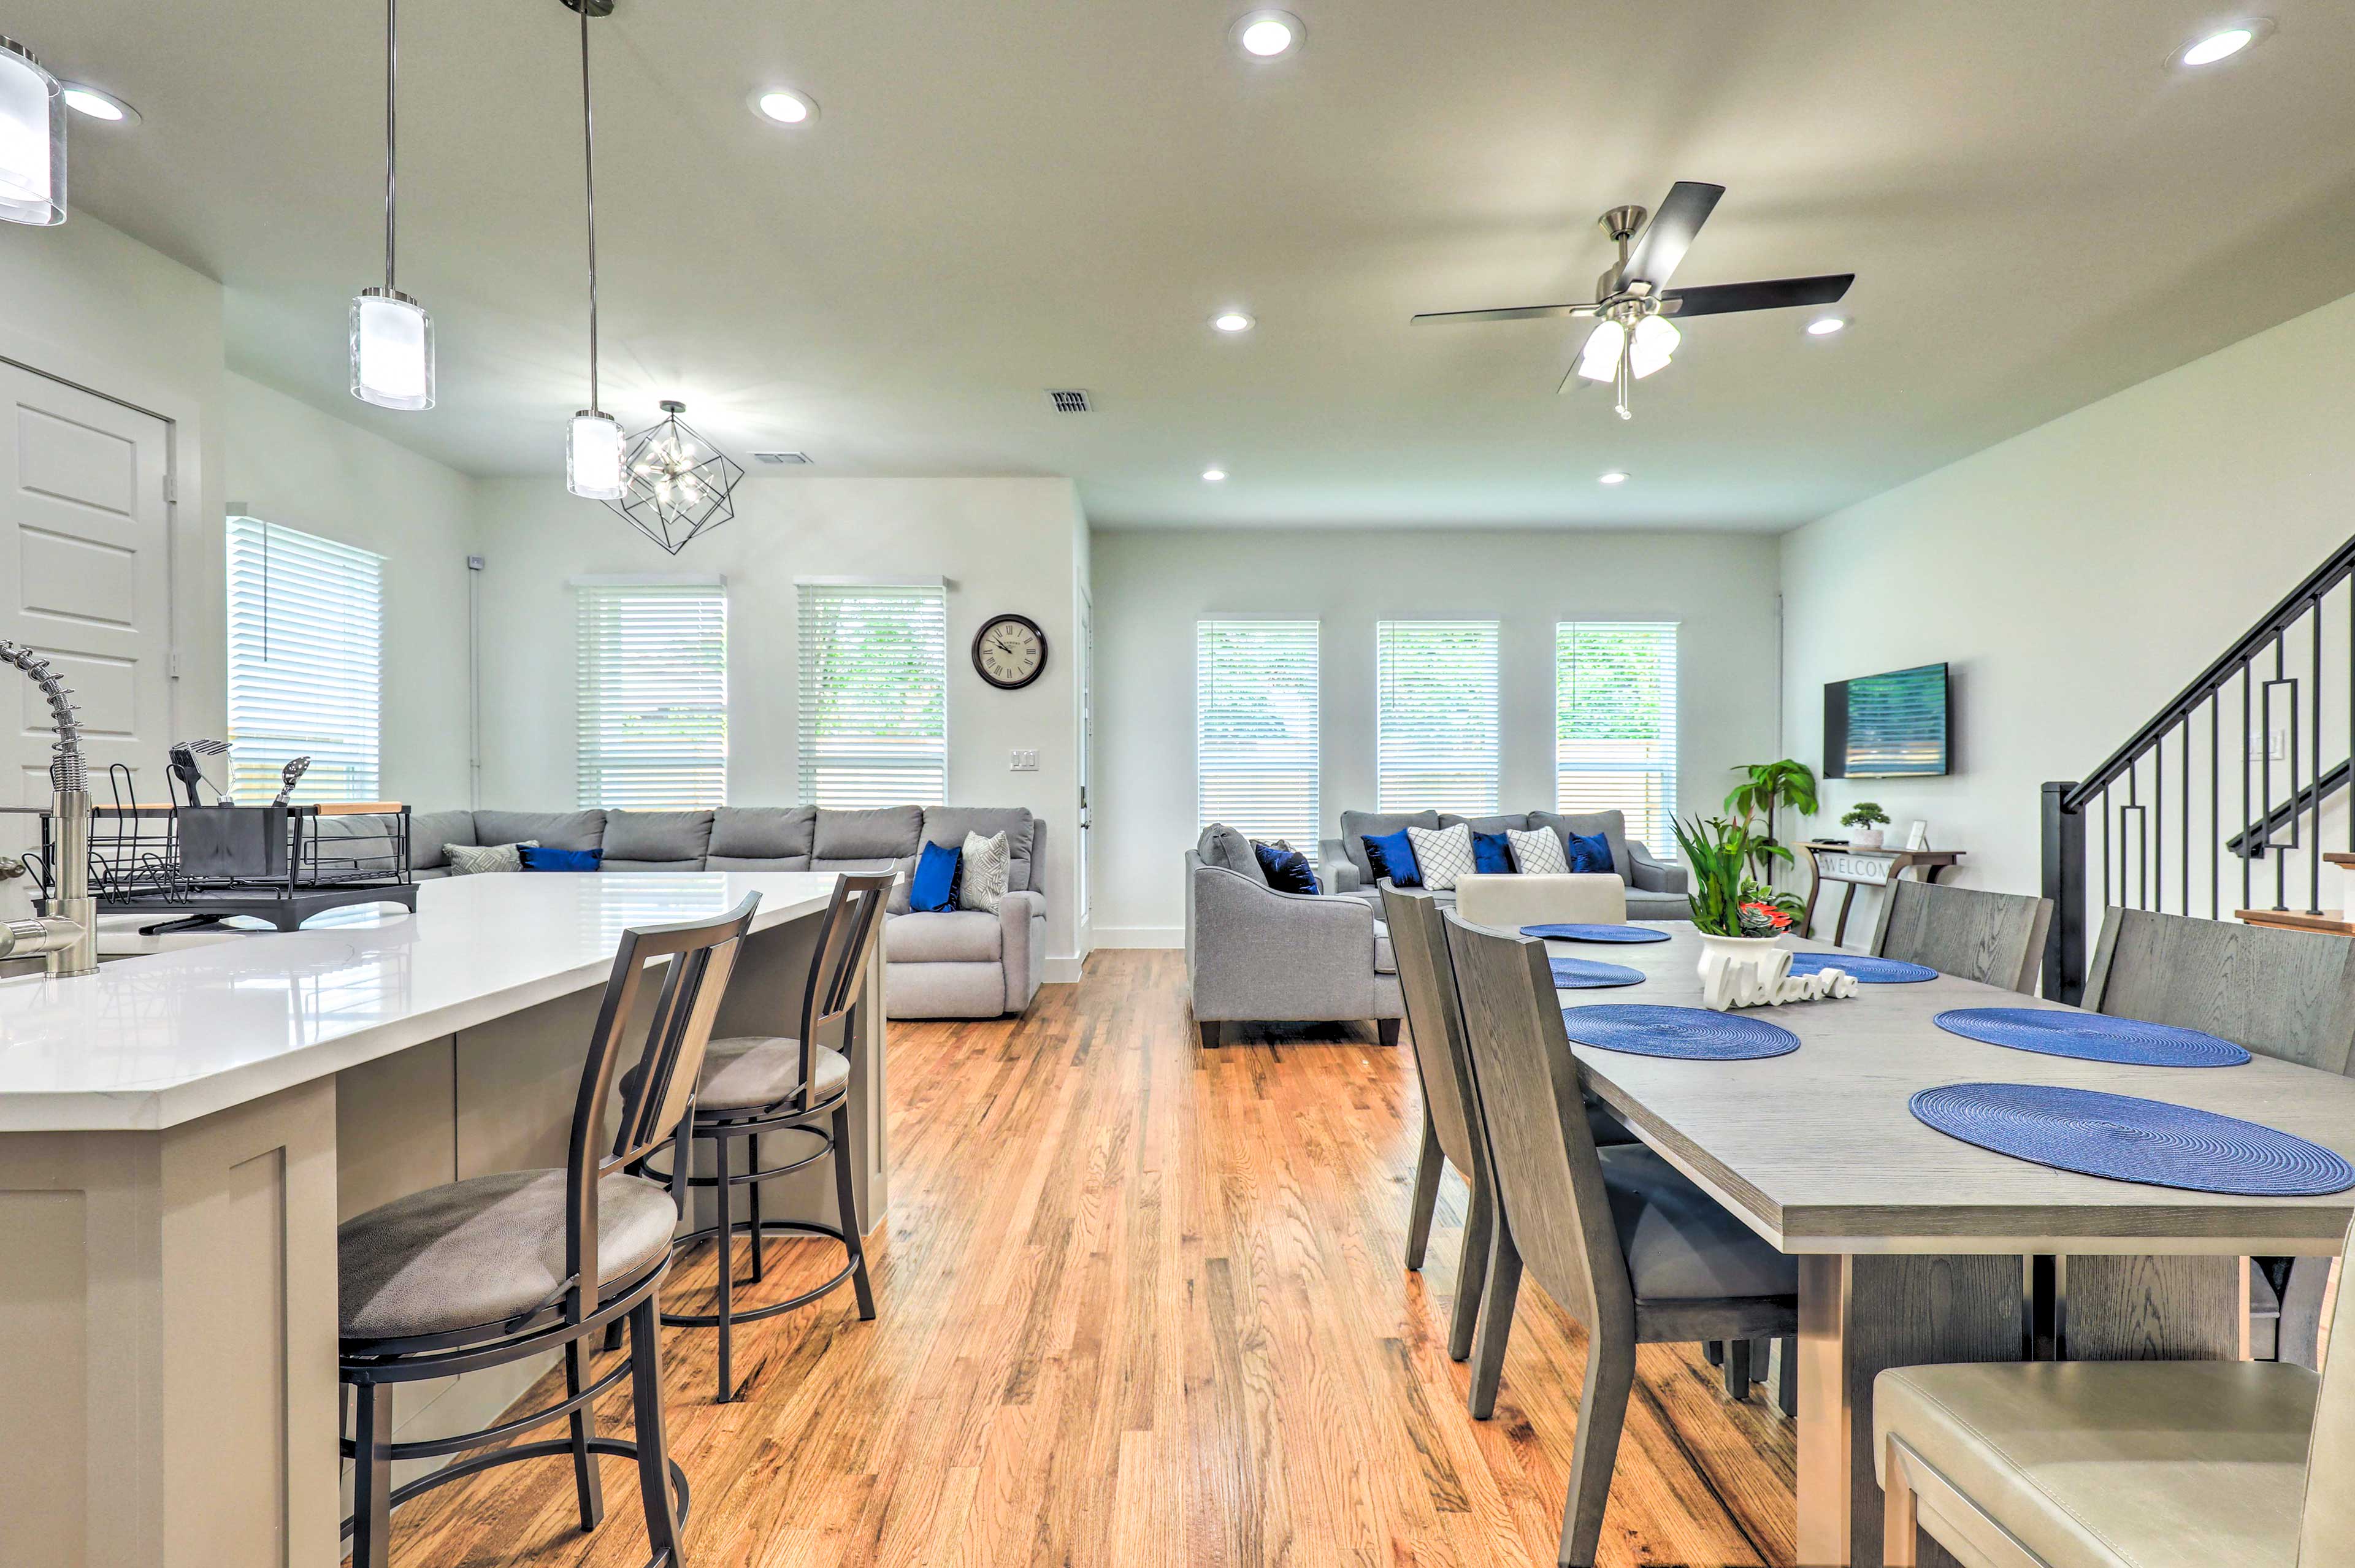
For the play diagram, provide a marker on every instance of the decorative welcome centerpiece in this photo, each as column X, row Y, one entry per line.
column 1739, row 918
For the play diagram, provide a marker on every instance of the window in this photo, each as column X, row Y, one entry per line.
column 1616, row 723
column 654, row 694
column 874, row 694
column 1255, row 729
column 305, row 663
column 1436, row 686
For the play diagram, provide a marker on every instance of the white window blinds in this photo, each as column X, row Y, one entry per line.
column 1616, row 723
column 305, row 663
column 653, row 695
column 1435, row 690
column 1256, row 730
column 874, row 695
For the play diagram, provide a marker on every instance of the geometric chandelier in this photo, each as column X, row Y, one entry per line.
column 678, row 485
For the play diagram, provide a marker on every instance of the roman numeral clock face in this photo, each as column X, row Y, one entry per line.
column 1009, row 651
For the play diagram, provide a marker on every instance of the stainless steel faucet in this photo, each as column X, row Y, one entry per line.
column 65, row 928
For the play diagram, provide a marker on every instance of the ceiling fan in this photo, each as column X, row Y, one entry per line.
column 1636, row 336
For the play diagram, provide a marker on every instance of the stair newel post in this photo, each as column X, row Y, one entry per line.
column 2064, row 884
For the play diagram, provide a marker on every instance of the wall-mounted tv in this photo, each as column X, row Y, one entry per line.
column 1890, row 726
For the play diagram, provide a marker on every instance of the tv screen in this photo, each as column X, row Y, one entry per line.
column 1889, row 726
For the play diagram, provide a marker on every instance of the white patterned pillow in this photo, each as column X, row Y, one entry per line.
column 1538, row 852
column 473, row 860
column 982, row 870
column 1443, row 854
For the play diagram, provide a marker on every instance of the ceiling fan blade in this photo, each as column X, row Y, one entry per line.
column 1670, row 233
column 1778, row 293
column 1517, row 312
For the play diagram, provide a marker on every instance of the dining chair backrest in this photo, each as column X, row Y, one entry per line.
column 2327, row 1532
column 701, row 954
column 837, row 970
column 1435, row 1019
column 2289, row 995
column 1997, row 939
column 1542, row 1160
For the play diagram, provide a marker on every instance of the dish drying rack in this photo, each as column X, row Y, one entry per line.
column 200, row 865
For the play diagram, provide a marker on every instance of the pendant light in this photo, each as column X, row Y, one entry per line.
column 32, row 139
column 592, row 448
column 681, row 486
column 392, row 337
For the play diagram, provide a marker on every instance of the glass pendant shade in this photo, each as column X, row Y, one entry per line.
column 32, row 140
column 392, row 351
column 1655, row 338
column 592, row 456
column 1599, row 361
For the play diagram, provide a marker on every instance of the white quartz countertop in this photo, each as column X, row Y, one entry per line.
column 155, row 1040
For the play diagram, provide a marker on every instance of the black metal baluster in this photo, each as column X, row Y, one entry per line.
column 2184, row 870
column 2247, row 896
column 2157, row 824
column 2215, row 805
column 2280, row 861
column 2106, row 851
column 2314, row 761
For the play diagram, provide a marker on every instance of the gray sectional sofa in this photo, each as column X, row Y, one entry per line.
column 963, row 964
column 1655, row 889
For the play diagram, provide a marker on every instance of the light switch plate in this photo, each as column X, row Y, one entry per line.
column 1025, row 761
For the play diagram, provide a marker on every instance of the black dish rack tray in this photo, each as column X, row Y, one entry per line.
column 199, row 865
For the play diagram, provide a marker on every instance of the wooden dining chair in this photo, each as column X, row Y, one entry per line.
column 1995, row 939
column 1620, row 1239
column 2289, row 995
column 2024, row 1464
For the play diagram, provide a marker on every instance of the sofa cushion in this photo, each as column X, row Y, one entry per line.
column 1391, row 856
column 1538, row 852
column 1486, row 824
column 950, row 824
column 1355, row 825
column 885, row 833
column 1227, row 849
column 1441, row 857
column 1492, row 854
column 536, row 858
column 764, row 832
column 556, row 830
column 933, row 888
column 1288, row 869
column 429, row 830
column 1588, row 852
column 1610, row 824
column 982, row 872
column 962, row 936
column 667, row 840
column 1384, row 962
column 475, row 861
column 756, row 863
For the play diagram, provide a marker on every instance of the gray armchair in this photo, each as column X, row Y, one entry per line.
column 1257, row 955
column 1656, row 890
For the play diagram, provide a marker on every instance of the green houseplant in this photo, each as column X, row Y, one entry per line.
column 1767, row 788
column 1866, row 819
column 1738, row 918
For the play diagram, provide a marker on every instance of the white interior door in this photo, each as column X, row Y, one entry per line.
column 85, row 553
column 1087, row 770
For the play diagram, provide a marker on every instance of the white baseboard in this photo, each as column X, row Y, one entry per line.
column 1062, row 971
column 1140, row 936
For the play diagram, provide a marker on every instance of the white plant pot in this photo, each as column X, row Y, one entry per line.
column 1742, row 971
column 1864, row 838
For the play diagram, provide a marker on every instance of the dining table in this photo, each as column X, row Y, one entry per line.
column 1916, row 1248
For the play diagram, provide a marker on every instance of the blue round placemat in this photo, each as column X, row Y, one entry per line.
column 1585, row 974
column 1867, row 969
column 1694, row 1033
column 1595, row 933
column 2094, row 1037
column 2129, row 1139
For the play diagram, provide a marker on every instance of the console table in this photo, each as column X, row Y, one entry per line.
column 1838, row 862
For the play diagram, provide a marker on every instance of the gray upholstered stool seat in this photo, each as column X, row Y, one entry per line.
column 748, row 1071
column 1681, row 1243
column 485, row 1250
column 2116, row 1464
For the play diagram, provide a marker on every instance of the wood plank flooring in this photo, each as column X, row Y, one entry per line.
column 1143, row 1304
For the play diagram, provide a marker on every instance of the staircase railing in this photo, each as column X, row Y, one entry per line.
column 2137, row 830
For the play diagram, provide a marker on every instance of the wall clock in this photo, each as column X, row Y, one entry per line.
column 1009, row 652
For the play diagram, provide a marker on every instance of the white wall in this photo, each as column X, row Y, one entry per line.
column 1152, row 585
column 2077, row 577
column 1003, row 545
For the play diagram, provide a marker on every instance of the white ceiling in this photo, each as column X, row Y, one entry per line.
column 1004, row 196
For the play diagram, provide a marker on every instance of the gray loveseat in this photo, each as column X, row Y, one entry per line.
column 967, row 963
column 1655, row 889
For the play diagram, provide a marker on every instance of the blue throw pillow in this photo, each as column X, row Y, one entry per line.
column 1392, row 857
column 935, row 888
column 536, row 858
column 1287, row 869
column 1492, row 852
column 1587, row 851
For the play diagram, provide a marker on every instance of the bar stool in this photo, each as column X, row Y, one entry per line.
column 752, row 1084
column 499, row 1268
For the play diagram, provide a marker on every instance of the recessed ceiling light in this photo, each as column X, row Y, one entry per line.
column 783, row 105
column 1232, row 321
column 1268, row 35
column 1825, row 325
column 2223, row 43
column 1613, row 477
column 99, row 105
column 1214, row 476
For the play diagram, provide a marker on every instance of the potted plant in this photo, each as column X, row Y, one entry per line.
column 1738, row 917
column 1765, row 789
column 1866, row 819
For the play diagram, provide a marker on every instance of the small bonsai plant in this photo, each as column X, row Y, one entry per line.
column 1726, row 899
column 1767, row 788
column 1866, row 819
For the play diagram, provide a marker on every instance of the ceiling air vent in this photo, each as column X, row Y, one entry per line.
column 1069, row 402
column 787, row 458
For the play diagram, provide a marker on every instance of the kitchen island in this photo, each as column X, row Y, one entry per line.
column 181, row 1133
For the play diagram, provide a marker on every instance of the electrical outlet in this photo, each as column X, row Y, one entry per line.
column 1025, row 761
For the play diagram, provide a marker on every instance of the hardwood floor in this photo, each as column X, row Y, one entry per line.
column 1143, row 1304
